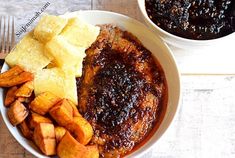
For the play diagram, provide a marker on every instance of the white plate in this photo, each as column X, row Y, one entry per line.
column 151, row 42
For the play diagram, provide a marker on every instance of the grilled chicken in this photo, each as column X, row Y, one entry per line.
column 122, row 91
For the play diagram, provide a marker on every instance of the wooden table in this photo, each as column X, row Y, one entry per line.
column 204, row 126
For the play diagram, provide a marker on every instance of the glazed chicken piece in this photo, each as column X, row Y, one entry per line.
column 122, row 91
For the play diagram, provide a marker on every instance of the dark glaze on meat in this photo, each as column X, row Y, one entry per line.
column 122, row 92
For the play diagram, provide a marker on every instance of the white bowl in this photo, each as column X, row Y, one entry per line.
column 151, row 42
column 177, row 41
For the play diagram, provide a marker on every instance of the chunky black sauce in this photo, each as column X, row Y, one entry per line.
column 116, row 91
column 117, row 87
column 193, row 19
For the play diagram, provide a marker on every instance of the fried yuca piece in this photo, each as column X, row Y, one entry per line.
column 17, row 113
column 25, row 130
column 36, row 119
column 65, row 55
column 56, row 81
column 10, row 96
column 25, row 90
column 59, row 133
column 81, row 129
column 11, row 72
column 44, row 138
column 85, row 33
column 29, row 53
column 48, row 27
column 62, row 113
column 43, row 102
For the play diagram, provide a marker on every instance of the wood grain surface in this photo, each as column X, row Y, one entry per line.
column 204, row 126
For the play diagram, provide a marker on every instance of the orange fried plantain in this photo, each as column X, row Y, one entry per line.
column 17, row 113
column 59, row 133
column 44, row 138
column 25, row 90
column 16, row 80
column 81, row 130
column 44, row 102
column 10, row 96
column 75, row 109
column 14, row 71
column 36, row 119
column 24, row 128
column 62, row 113
column 71, row 148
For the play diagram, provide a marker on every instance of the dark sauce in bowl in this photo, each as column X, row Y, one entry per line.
column 192, row 19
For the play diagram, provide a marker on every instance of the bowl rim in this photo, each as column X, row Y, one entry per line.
column 199, row 42
column 170, row 119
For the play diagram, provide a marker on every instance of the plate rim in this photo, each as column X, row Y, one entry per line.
column 170, row 55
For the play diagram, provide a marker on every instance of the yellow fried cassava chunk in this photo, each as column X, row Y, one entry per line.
column 78, row 68
column 56, row 81
column 80, row 33
column 29, row 54
column 48, row 27
column 66, row 55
